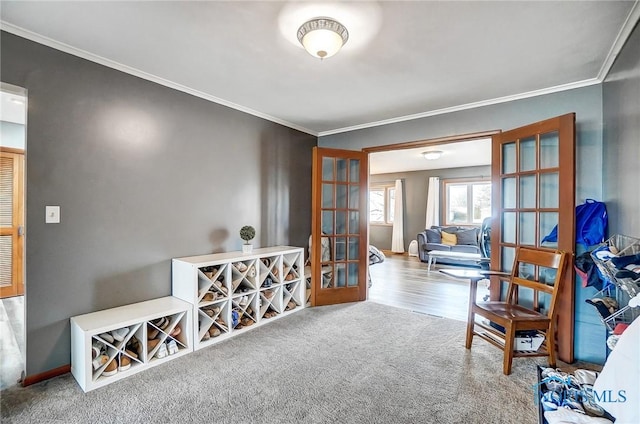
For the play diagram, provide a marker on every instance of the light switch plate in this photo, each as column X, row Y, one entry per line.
column 52, row 214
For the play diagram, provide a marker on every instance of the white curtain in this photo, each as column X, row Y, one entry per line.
column 433, row 202
column 397, row 237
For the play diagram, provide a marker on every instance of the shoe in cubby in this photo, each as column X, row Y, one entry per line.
column 213, row 310
column 290, row 297
column 270, row 302
column 133, row 347
column 116, row 338
column 161, row 352
column 126, row 360
column 244, row 276
column 212, row 283
column 270, row 313
column 172, row 347
column 112, row 368
column 105, row 364
column 214, row 331
column 290, row 267
column 269, row 271
column 122, row 337
column 176, row 332
column 164, row 330
column 129, row 358
column 221, row 324
column 244, row 306
column 204, row 323
column 270, row 298
column 212, row 321
column 290, row 305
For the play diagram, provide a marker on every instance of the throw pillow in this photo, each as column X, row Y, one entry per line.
column 468, row 237
column 449, row 239
column 433, row 236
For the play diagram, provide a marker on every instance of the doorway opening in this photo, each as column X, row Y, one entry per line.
column 458, row 179
column 12, row 234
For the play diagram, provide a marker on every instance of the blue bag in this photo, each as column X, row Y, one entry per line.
column 591, row 224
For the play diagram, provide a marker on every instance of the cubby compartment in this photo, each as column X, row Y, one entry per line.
column 112, row 344
column 243, row 313
column 270, row 302
column 291, row 268
column 213, row 321
column 292, row 295
column 256, row 289
column 165, row 336
column 213, row 283
column 244, row 276
column 270, row 271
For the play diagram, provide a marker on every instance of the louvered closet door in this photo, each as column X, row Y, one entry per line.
column 11, row 223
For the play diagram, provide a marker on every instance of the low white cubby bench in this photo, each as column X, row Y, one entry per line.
column 138, row 319
column 233, row 292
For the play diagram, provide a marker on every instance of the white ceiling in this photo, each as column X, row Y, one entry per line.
column 12, row 108
column 403, row 59
column 454, row 155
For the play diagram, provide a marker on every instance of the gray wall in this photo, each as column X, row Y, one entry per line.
column 585, row 102
column 12, row 135
column 415, row 200
column 621, row 94
column 142, row 173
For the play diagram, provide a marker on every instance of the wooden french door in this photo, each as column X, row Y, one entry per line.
column 533, row 179
column 339, row 237
column 11, row 222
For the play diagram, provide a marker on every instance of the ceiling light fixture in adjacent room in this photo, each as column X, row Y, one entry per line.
column 322, row 37
column 432, row 155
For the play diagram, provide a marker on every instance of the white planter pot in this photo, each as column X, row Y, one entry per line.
column 247, row 248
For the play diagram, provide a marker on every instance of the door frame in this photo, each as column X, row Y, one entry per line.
column 21, row 92
column 431, row 142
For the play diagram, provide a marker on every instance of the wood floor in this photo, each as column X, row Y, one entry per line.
column 403, row 281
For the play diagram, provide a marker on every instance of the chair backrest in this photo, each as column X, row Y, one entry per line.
column 539, row 270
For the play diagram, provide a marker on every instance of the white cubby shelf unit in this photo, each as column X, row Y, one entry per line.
column 233, row 292
column 144, row 330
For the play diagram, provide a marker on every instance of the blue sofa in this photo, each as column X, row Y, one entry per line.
column 468, row 239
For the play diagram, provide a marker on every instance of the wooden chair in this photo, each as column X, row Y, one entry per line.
column 540, row 271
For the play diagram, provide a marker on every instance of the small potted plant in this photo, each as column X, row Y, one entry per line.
column 247, row 233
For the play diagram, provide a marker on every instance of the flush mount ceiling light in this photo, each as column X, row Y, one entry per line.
column 322, row 37
column 432, row 155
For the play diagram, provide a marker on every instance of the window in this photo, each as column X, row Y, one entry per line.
column 466, row 202
column 381, row 203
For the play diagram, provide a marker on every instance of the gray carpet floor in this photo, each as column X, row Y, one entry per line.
column 352, row 363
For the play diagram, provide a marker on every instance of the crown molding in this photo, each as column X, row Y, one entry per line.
column 505, row 99
column 618, row 44
column 24, row 33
